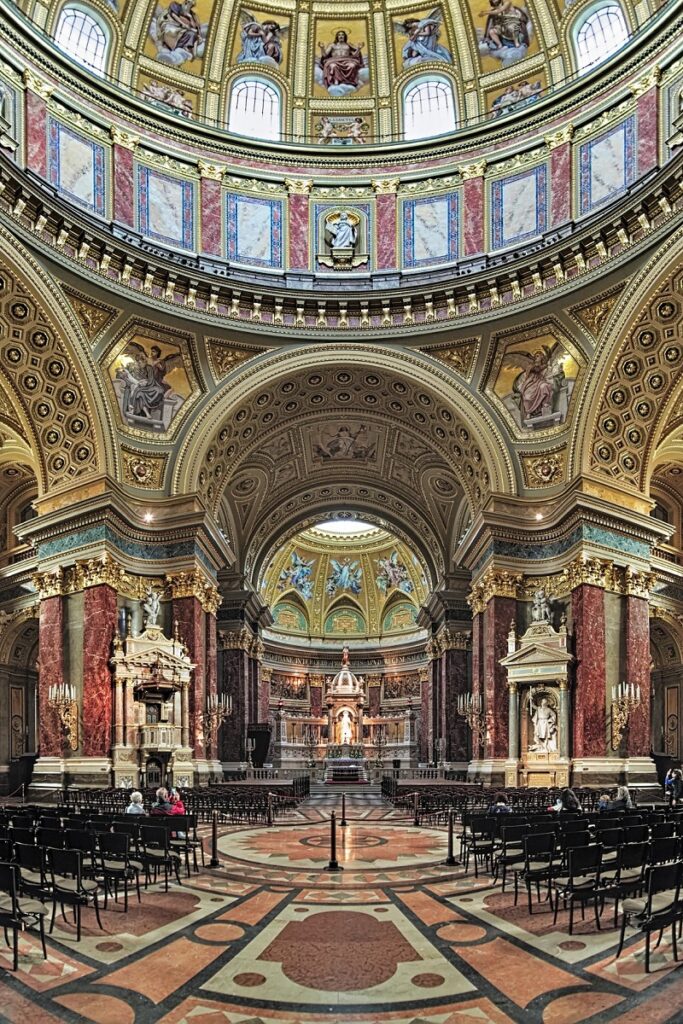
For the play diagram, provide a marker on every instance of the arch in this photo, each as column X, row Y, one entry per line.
column 428, row 107
column 255, row 107
column 597, row 33
column 83, row 34
column 295, row 618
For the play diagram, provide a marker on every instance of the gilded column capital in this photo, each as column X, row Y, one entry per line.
column 374, row 680
column 644, row 84
column 450, row 641
column 123, row 138
column 638, row 584
column 474, row 170
column 299, row 186
column 37, row 85
column 258, row 649
column 236, row 640
column 423, row 675
column 558, row 138
column 386, row 186
column 96, row 572
column 494, row 583
column 433, row 648
column 266, row 674
column 194, row 584
column 316, row 679
column 49, row 584
column 595, row 572
column 214, row 172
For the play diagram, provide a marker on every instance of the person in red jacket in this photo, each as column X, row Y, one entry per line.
column 177, row 805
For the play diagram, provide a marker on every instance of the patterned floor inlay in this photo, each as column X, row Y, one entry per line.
column 271, row 937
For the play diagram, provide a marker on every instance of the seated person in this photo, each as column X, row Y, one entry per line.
column 500, row 805
column 135, row 805
column 162, row 805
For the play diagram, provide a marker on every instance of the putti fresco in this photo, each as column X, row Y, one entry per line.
column 423, row 32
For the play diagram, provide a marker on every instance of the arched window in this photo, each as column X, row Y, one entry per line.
column 428, row 108
column 254, row 109
column 83, row 37
column 599, row 34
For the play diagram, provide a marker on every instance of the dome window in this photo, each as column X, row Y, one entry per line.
column 254, row 109
column 82, row 37
column 428, row 108
column 599, row 34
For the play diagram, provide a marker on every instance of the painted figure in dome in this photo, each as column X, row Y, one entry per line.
column 261, row 41
column 393, row 573
column 346, row 575
column 507, row 32
column 298, row 575
column 341, row 67
column 423, row 39
column 515, row 97
column 177, row 32
column 166, row 96
column 541, row 378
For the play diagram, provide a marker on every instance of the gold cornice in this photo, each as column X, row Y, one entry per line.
column 123, row 138
column 299, row 186
column 37, row 85
column 194, row 584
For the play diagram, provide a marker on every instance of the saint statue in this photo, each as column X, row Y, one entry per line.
column 151, row 607
column 545, row 727
column 342, row 230
column 540, row 611
column 345, row 733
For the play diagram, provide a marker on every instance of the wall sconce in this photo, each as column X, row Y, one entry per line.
column 469, row 708
column 218, row 710
column 626, row 699
column 61, row 697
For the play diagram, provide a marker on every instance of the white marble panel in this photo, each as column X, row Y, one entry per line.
column 76, row 168
column 165, row 207
column 430, row 231
column 519, row 207
column 254, row 231
column 608, row 167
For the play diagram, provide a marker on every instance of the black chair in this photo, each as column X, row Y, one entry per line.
column 511, row 851
column 70, row 888
column 478, row 842
column 16, row 912
column 628, row 878
column 114, row 864
column 663, row 851
column 539, row 851
column 658, row 909
column 55, row 837
column 33, row 874
column 80, row 839
column 580, row 884
column 155, row 853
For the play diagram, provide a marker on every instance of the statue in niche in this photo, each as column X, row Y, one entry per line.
column 151, row 607
column 345, row 732
column 343, row 231
column 540, row 611
column 341, row 235
column 544, row 721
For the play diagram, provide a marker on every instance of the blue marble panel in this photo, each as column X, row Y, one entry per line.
column 254, row 231
column 165, row 207
column 607, row 165
column 519, row 207
column 430, row 230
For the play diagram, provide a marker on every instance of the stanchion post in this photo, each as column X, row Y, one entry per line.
column 416, row 808
column 343, row 823
column 270, row 808
column 334, row 863
column 214, row 862
column 450, row 859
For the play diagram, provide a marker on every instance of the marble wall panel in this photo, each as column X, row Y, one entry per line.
column 518, row 207
column 607, row 165
column 455, row 684
column 211, row 216
column 499, row 613
column 211, row 683
column 298, row 232
column 77, row 167
column 589, row 716
column 638, row 737
column 165, row 207
column 234, row 680
column 648, row 112
column 477, row 666
column 36, row 134
column 473, row 216
column 254, row 231
column 560, row 184
column 99, row 625
column 386, row 231
column 191, row 619
column 124, row 179
column 51, row 672
column 430, row 230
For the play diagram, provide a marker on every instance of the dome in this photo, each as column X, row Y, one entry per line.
column 345, row 682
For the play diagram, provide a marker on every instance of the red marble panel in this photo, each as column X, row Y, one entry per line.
column 316, row 698
column 477, row 663
column 190, row 616
column 638, row 736
column 234, row 681
column 298, row 232
column 386, row 232
column 588, row 616
column 647, row 130
column 425, row 732
column 36, row 134
column 50, row 672
column 211, row 210
column 473, row 216
column 211, row 668
column 499, row 613
column 124, row 186
column 455, row 683
column 560, row 184
column 99, row 626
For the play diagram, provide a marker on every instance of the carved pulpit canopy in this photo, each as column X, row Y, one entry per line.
column 156, row 666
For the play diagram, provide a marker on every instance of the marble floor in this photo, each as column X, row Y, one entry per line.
column 271, row 937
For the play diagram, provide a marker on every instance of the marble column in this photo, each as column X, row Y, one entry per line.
column 385, row 205
column 191, row 619
column 211, row 676
column 211, row 215
column 124, row 185
column 99, row 626
column 234, row 676
column 50, row 672
column 638, row 737
column 299, row 258
column 477, row 673
column 473, row 209
column 513, row 722
column 564, row 719
column 36, row 133
column 560, row 184
column 455, row 684
column 588, row 616
column 315, row 691
column 499, row 613
column 648, row 106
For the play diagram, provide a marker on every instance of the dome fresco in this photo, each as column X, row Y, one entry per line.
column 336, row 586
column 341, row 75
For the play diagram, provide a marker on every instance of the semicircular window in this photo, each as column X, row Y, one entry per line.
column 83, row 37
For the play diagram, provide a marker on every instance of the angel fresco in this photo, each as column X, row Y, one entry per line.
column 516, row 96
column 541, row 389
column 141, row 382
column 177, row 32
column 167, row 97
column 261, row 40
column 507, row 33
column 341, row 67
column 391, row 572
column 298, row 575
column 346, row 575
column 423, row 39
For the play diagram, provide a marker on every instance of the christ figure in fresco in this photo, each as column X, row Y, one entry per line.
column 341, row 61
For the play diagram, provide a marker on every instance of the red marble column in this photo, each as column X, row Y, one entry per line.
column 211, row 672
column 211, row 216
column 425, row 734
column 455, row 683
column 499, row 613
column 477, row 667
column 588, row 616
column 386, row 231
column 298, row 232
column 124, row 186
column 190, row 616
column 374, row 700
column 50, row 673
column 473, row 215
column 235, row 681
column 638, row 736
column 648, row 156
column 560, row 184
column 36, row 134
column 99, row 626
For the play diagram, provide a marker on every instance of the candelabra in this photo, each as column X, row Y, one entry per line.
column 379, row 742
column 469, row 708
column 218, row 710
column 625, row 700
column 250, row 746
column 311, row 744
column 61, row 697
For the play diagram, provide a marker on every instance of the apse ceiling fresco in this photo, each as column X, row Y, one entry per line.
column 324, row 582
column 340, row 69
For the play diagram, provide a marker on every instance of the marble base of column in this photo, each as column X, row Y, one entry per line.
column 52, row 773
column 125, row 765
column 488, row 770
column 512, row 767
column 641, row 778
column 48, row 775
column 638, row 773
column 205, row 770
